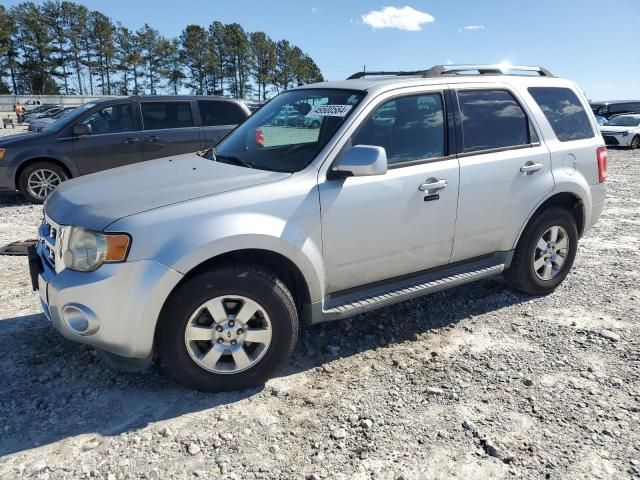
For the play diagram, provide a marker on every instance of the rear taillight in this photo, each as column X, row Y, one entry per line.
column 601, row 155
column 259, row 137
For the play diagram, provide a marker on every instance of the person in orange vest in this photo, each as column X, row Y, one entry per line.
column 19, row 109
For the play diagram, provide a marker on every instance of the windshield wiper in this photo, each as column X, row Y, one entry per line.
column 208, row 153
column 234, row 160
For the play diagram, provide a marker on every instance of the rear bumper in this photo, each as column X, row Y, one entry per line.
column 115, row 308
column 598, row 195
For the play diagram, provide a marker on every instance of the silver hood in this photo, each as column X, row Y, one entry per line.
column 97, row 200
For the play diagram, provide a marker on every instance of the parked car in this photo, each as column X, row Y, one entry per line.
column 39, row 109
column 48, row 112
column 622, row 131
column 31, row 105
column 43, row 122
column 212, row 260
column 111, row 133
column 615, row 107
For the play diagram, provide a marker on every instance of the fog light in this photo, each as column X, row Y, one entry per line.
column 80, row 319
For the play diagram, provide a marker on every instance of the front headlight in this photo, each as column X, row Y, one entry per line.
column 85, row 250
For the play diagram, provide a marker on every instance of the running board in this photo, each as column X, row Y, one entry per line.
column 356, row 304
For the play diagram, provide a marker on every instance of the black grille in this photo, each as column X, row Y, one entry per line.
column 609, row 140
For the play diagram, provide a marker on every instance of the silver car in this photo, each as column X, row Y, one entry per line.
column 622, row 131
column 412, row 182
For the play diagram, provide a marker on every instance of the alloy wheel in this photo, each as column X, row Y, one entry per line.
column 42, row 182
column 227, row 335
column 551, row 253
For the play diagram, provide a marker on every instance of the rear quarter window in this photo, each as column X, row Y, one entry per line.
column 564, row 111
column 220, row 113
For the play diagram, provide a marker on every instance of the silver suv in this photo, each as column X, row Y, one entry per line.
column 411, row 182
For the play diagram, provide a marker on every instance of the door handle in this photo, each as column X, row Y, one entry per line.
column 151, row 139
column 131, row 140
column 531, row 167
column 433, row 185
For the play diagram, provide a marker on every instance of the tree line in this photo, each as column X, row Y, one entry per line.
column 60, row 47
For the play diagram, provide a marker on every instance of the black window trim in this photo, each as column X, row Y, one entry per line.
column 196, row 123
column 486, row 151
column 449, row 133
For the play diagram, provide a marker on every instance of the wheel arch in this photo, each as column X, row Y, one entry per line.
column 283, row 267
column 570, row 201
column 21, row 168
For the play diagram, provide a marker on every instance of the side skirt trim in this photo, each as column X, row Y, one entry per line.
column 420, row 287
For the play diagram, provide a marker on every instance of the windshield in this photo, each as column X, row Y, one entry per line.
column 623, row 122
column 287, row 133
column 69, row 115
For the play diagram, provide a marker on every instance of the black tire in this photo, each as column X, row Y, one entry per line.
column 635, row 143
column 521, row 274
column 248, row 281
column 44, row 166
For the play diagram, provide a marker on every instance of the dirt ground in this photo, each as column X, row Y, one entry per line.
column 475, row 382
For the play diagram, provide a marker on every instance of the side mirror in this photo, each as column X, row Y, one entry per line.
column 82, row 129
column 362, row 161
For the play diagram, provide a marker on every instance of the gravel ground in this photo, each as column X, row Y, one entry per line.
column 475, row 382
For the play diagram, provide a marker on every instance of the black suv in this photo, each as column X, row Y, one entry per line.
column 615, row 107
column 111, row 133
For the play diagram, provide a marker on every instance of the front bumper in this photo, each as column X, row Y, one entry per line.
column 6, row 179
column 114, row 308
column 617, row 139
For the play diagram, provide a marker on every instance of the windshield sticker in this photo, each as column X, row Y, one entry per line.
column 329, row 111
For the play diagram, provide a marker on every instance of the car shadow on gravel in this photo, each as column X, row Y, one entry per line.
column 12, row 200
column 52, row 389
column 398, row 323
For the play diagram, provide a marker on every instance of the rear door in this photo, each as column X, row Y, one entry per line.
column 168, row 128
column 218, row 118
column 114, row 140
column 505, row 170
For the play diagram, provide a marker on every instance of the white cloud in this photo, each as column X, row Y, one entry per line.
column 314, row 9
column 472, row 27
column 449, row 62
column 405, row 18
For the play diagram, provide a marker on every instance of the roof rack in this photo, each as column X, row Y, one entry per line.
column 443, row 70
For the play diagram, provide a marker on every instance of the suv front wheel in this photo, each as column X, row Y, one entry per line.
column 228, row 329
column 39, row 179
column 545, row 253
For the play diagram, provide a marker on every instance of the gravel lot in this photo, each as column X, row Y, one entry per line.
column 476, row 382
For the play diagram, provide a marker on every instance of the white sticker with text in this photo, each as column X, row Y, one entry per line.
column 329, row 111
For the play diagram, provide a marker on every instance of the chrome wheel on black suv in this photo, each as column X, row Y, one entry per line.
column 39, row 179
column 228, row 329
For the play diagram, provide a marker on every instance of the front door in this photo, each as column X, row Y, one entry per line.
column 169, row 129
column 379, row 227
column 114, row 140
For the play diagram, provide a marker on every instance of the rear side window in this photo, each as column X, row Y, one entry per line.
column 564, row 112
column 491, row 119
column 160, row 115
column 220, row 113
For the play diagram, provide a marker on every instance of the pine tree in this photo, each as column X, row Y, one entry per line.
column 263, row 60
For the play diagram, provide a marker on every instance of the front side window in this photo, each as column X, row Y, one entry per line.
column 409, row 128
column 161, row 115
column 111, row 119
column 491, row 119
column 215, row 113
column 565, row 113
column 288, row 132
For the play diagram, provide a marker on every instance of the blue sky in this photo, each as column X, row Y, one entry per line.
column 570, row 37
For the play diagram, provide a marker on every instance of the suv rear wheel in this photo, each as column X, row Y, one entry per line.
column 545, row 253
column 228, row 329
column 39, row 179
